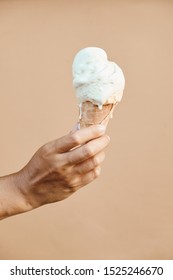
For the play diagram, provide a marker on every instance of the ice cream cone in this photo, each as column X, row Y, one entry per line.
column 91, row 114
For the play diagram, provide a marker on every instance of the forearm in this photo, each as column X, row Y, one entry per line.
column 12, row 201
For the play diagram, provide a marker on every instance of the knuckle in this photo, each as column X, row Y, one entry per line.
column 57, row 167
column 96, row 172
column 80, row 170
column 69, row 159
column 98, row 159
column 66, row 180
column 74, row 139
column 45, row 150
column 59, row 162
column 88, row 151
column 62, row 160
column 56, row 171
column 75, row 182
column 95, row 161
column 104, row 141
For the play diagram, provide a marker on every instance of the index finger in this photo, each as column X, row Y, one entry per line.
column 88, row 150
column 77, row 138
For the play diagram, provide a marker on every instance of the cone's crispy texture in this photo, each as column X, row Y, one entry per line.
column 91, row 114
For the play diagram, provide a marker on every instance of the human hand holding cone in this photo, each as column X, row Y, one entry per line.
column 99, row 86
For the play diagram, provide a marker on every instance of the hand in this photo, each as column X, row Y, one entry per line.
column 63, row 166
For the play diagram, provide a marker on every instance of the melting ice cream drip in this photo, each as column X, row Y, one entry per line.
column 100, row 106
column 80, row 111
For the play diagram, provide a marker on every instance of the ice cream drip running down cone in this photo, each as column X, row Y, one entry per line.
column 99, row 85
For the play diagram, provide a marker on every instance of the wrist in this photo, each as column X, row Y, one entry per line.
column 13, row 199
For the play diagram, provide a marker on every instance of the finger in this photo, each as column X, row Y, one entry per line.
column 80, row 181
column 89, row 164
column 88, row 150
column 75, row 127
column 76, row 138
column 90, row 176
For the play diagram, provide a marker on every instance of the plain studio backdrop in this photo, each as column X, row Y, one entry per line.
column 128, row 212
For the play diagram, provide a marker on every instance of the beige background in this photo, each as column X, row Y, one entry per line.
column 128, row 212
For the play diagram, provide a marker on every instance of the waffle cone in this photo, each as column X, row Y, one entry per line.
column 91, row 114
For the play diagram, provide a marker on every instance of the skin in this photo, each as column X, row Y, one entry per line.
column 56, row 171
